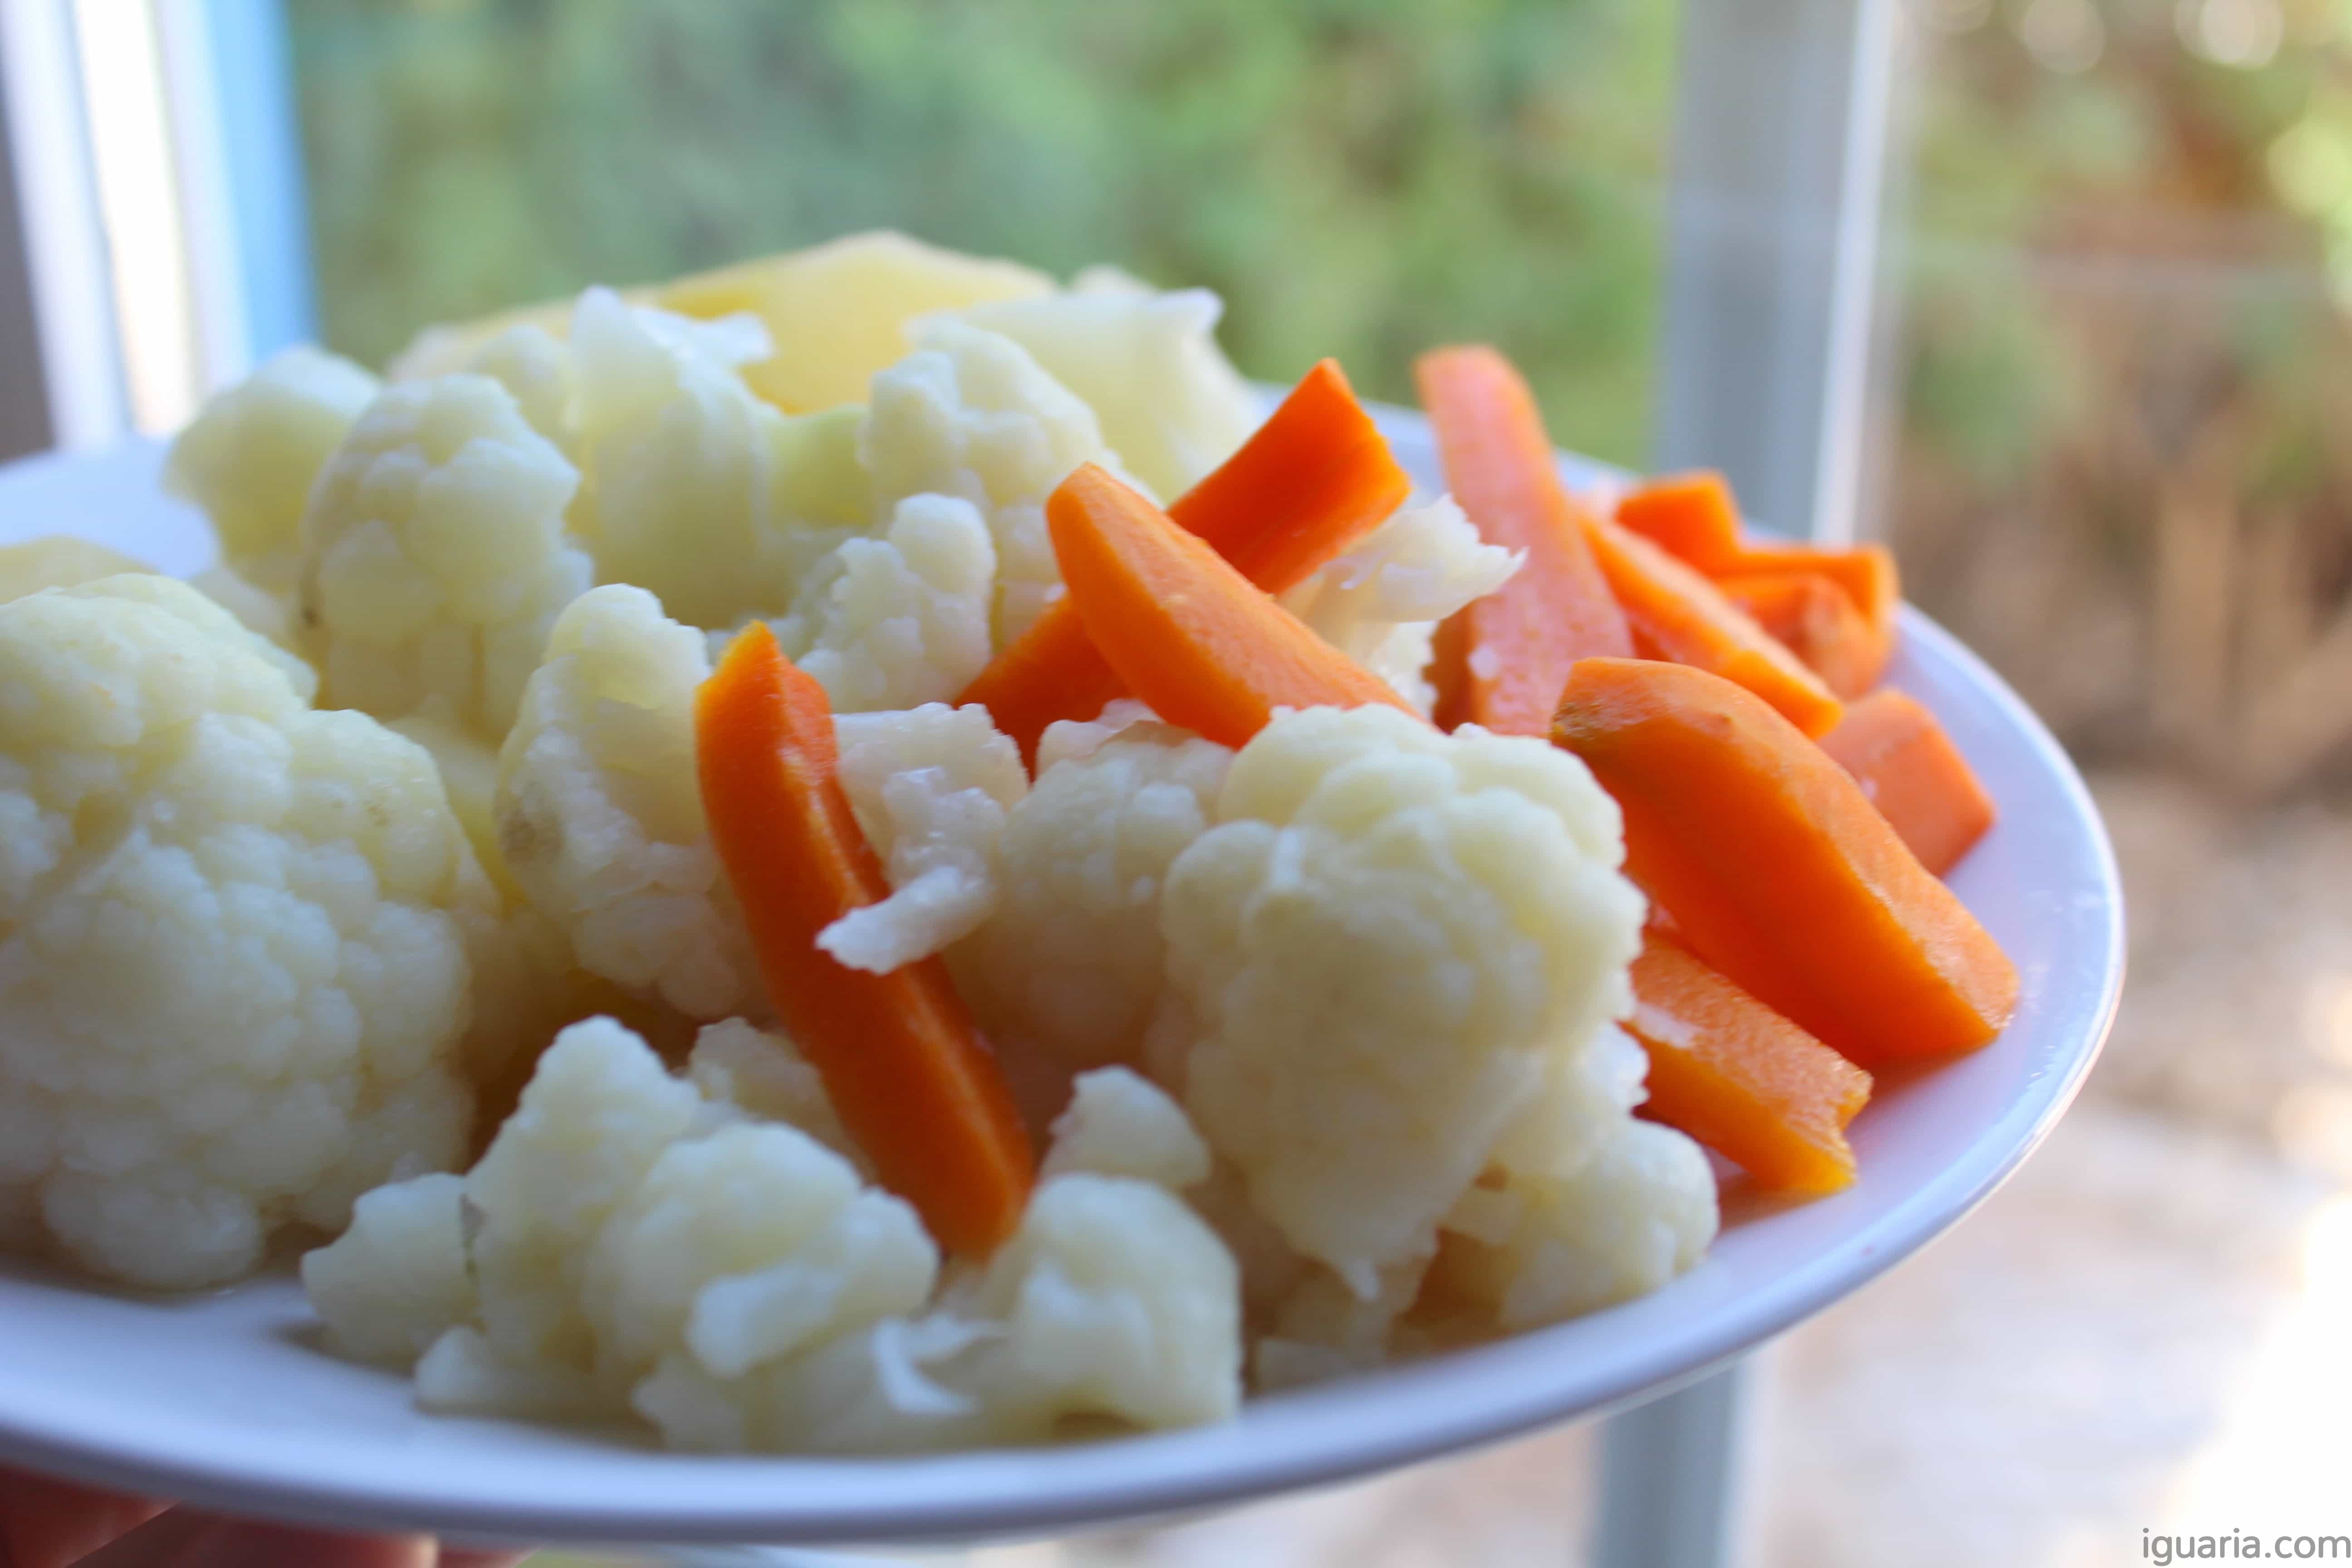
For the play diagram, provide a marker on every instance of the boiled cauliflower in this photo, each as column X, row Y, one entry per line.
column 931, row 787
column 236, row 931
column 252, row 453
column 1071, row 964
column 1170, row 403
column 398, row 1278
column 616, row 1225
column 1640, row 1210
column 762, row 1074
column 1119, row 1124
column 599, row 812
column 630, row 1245
column 60, row 561
column 535, row 367
column 437, row 557
column 1380, row 602
column 1374, row 950
column 970, row 415
column 701, row 493
column 1113, row 1300
column 901, row 620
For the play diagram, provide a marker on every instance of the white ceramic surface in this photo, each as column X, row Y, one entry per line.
column 222, row 1399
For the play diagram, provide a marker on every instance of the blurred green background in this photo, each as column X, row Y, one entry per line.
column 2112, row 368
column 1356, row 179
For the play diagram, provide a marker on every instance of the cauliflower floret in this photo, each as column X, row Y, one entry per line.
column 871, row 1391
column 760, row 1073
column 1115, row 1300
column 1379, row 603
column 171, row 595
column 438, row 555
column 60, row 561
column 634, row 1246
column 1375, row 948
column 1071, row 962
column 252, row 455
column 264, row 613
column 64, row 560
column 1323, row 1329
column 1170, row 404
column 535, row 367
column 1071, row 740
column 903, row 619
column 931, row 787
column 1639, row 1210
column 397, row 1279
column 598, row 1112
column 600, row 814
column 746, row 1246
column 1119, row 1124
column 700, row 492
column 235, row 967
column 970, row 414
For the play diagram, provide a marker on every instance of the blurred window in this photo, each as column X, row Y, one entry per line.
column 1357, row 180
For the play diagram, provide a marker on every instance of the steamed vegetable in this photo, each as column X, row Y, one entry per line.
column 436, row 558
column 1189, row 635
column 1398, row 953
column 1309, row 482
column 1777, row 869
column 1914, row 776
column 1681, row 615
column 914, row 1083
column 1816, row 620
column 241, row 934
column 1500, row 661
column 1740, row 1077
column 1694, row 517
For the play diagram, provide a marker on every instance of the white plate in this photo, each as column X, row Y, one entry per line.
column 222, row 1400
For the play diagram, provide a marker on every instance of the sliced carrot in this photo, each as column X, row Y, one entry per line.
column 1818, row 622
column 1779, row 870
column 1503, row 663
column 1740, row 1077
column 1866, row 573
column 912, row 1080
column 1050, row 672
column 1688, row 621
column 1694, row 518
column 1310, row 482
column 1914, row 775
column 1203, row 647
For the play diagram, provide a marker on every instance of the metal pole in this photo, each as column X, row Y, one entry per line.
column 1779, row 138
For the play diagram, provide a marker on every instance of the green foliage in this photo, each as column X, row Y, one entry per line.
column 1356, row 178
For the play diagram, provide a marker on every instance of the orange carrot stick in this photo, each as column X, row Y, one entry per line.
column 1192, row 637
column 1740, row 1077
column 1689, row 622
column 1779, row 870
column 1914, row 775
column 1050, row 672
column 1691, row 517
column 1818, row 622
column 914, row 1083
column 1501, row 665
column 1694, row 518
column 1310, row 482
column 1312, row 479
